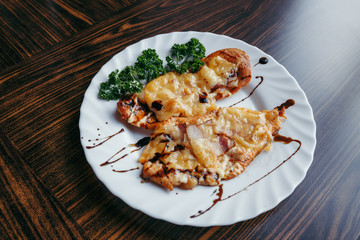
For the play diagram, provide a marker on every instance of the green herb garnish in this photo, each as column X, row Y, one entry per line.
column 148, row 66
column 130, row 80
column 120, row 84
column 186, row 57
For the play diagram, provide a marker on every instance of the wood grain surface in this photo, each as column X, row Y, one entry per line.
column 50, row 51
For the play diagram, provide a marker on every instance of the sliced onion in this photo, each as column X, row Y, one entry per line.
column 216, row 148
column 194, row 132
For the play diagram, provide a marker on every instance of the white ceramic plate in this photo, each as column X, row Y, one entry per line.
column 98, row 120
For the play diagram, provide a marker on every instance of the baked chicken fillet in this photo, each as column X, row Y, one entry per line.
column 190, row 94
column 205, row 149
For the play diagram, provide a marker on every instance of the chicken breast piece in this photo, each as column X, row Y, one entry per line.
column 190, row 94
column 205, row 149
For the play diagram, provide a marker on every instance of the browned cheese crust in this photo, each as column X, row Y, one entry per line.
column 190, row 94
column 203, row 150
column 136, row 113
column 243, row 70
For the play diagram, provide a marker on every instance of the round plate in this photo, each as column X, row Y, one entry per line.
column 100, row 126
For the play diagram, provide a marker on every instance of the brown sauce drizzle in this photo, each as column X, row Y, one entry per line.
column 127, row 170
column 286, row 140
column 261, row 80
column 157, row 105
column 139, row 144
column 263, row 61
column 277, row 138
column 286, row 105
column 107, row 162
column 106, row 139
column 142, row 142
column 203, row 97
column 215, row 201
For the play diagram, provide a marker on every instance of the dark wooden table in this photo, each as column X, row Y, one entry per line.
column 50, row 51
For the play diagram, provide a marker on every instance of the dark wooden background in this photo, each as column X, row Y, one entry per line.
column 51, row 49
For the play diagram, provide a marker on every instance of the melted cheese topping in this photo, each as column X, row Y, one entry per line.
column 184, row 95
column 223, row 142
